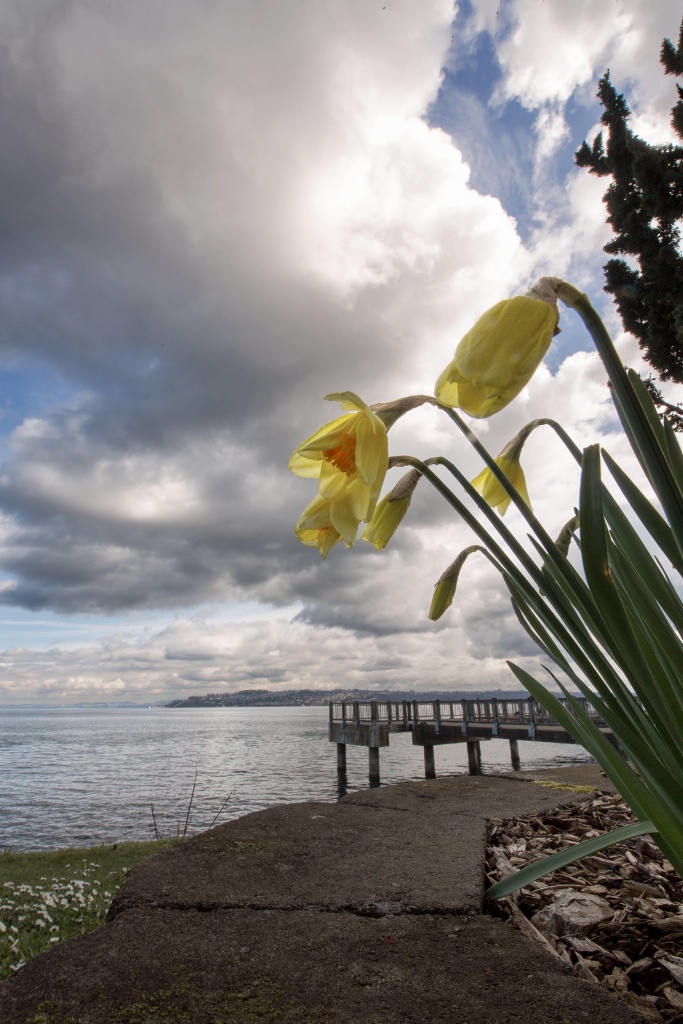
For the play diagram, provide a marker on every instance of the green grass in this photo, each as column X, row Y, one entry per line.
column 51, row 896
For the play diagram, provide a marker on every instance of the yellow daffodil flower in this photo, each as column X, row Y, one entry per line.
column 500, row 354
column 348, row 457
column 316, row 530
column 391, row 510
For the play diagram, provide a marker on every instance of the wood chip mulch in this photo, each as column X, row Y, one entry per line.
column 636, row 948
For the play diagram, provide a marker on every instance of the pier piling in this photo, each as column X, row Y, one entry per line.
column 474, row 756
column 341, row 758
column 430, row 763
column 374, row 766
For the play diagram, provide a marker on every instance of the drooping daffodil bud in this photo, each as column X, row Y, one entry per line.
column 391, row 510
column 490, row 488
column 564, row 538
column 497, row 358
column 348, row 456
column 444, row 589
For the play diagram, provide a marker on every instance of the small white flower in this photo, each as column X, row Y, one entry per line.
column 3, row 926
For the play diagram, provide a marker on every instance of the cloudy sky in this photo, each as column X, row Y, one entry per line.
column 215, row 212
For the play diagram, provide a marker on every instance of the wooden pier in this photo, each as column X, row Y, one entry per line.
column 370, row 723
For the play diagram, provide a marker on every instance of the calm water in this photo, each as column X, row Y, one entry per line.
column 77, row 777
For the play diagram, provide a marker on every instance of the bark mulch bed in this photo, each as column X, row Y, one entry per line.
column 615, row 917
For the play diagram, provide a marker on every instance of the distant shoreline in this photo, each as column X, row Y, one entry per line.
column 317, row 698
column 274, row 698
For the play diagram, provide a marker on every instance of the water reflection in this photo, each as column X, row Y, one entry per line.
column 74, row 777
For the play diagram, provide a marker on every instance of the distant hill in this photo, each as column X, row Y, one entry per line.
column 311, row 698
column 78, row 705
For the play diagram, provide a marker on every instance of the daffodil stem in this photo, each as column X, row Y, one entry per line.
column 573, row 448
column 513, row 545
column 468, row 517
column 512, row 491
column 566, row 625
column 577, row 586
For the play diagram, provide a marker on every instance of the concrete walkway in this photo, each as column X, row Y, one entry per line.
column 368, row 910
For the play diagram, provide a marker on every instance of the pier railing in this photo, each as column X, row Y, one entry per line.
column 403, row 715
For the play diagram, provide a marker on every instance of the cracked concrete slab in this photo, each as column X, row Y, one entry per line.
column 326, row 856
column 411, row 848
column 364, row 911
column 241, row 967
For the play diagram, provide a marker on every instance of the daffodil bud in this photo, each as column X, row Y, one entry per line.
column 565, row 535
column 391, row 510
column 444, row 590
column 563, row 541
column 501, row 353
column 490, row 488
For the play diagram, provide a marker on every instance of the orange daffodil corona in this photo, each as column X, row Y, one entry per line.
column 349, row 458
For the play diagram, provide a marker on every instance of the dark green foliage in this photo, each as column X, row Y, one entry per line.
column 645, row 209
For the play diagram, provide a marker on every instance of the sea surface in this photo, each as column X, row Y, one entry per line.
column 81, row 776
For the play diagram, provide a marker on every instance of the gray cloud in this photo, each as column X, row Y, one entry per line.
column 211, row 215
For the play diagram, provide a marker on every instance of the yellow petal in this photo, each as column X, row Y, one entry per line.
column 315, row 516
column 493, row 492
column 372, row 450
column 348, row 400
column 315, row 529
column 333, row 484
column 344, row 521
column 302, row 466
column 328, row 436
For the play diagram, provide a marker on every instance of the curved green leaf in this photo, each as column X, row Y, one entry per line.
column 560, row 860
